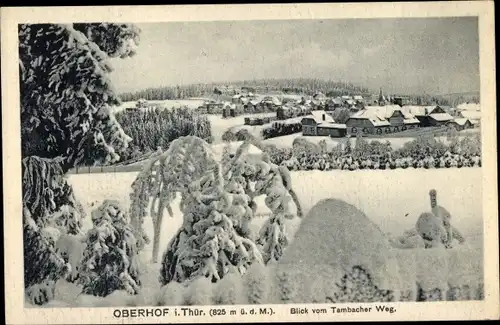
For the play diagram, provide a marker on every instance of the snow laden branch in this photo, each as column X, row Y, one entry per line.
column 255, row 175
column 217, row 203
column 164, row 175
column 66, row 93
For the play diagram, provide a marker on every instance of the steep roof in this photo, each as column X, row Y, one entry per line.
column 469, row 107
column 460, row 121
column 474, row 115
column 317, row 116
column 336, row 101
column 379, row 115
column 292, row 97
column 414, row 110
column 441, row 117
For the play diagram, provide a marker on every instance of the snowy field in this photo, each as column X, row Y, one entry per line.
column 221, row 125
column 190, row 103
column 391, row 199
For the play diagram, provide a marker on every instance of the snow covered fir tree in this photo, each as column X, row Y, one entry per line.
column 65, row 95
column 217, row 203
column 110, row 260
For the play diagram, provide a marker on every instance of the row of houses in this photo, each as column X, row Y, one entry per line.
column 395, row 118
column 378, row 120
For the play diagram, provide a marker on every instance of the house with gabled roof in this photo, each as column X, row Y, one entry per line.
column 436, row 116
column 381, row 120
column 320, row 123
column 460, row 124
column 473, row 116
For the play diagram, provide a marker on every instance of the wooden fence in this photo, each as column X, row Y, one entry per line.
column 106, row 169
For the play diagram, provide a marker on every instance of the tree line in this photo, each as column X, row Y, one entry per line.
column 299, row 86
column 157, row 128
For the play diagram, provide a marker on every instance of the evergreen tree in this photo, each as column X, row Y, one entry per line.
column 66, row 121
column 217, row 205
column 49, row 211
column 110, row 261
column 66, row 95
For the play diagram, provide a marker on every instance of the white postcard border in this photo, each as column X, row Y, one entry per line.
column 11, row 17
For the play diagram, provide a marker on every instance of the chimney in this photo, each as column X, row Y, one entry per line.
column 324, row 117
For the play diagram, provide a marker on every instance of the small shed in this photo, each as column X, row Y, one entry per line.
column 460, row 124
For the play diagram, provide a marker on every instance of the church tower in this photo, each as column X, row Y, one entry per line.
column 381, row 99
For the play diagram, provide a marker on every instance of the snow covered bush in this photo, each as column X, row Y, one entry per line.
column 302, row 146
column 110, row 260
column 229, row 290
column 470, row 145
column 278, row 155
column 172, row 294
column 50, row 210
column 286, row 286
column 278, row 129
column 199, row 292
column 229, row 136
column 357, row 286
column 258, row 284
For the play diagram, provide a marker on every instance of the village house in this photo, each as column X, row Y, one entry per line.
column 270, row 103
column 381, row 120
column 291, row 110
column 359, row 102
column 474, row 116
column 247, row 90
column 213, row 106
column 291, row 98
column 320, row 123
column 333, row 103
column 319, row 96
column 226, row 90
column 434, row 116
column 400, row 100
column 231, row 110
column 460, row 124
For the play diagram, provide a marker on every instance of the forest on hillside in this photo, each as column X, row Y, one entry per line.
column 297, row 86
column 446, row 100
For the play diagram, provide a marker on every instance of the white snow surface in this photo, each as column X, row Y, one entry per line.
column 392, row 200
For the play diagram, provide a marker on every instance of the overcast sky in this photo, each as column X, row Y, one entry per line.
column 431, row 55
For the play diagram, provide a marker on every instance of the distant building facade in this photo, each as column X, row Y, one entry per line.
column 460, row 124
column 320, row 123
column 381, row 120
